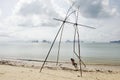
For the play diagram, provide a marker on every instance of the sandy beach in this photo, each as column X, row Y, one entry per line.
column 15, row 70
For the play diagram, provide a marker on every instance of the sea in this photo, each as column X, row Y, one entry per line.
column 91, row 53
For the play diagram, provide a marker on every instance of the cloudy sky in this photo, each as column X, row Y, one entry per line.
column 33, row 19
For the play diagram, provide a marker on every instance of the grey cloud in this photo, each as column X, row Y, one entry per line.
column 38, row 7
column 0, row 12
column 43, row 9
column 94, row 8
column 115, row 4
column 2, row 34
column 30, row 23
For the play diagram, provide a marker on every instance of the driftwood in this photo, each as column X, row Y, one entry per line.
column 42, row 61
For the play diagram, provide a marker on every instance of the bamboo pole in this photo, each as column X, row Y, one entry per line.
column 74, row 50
column 76, row 25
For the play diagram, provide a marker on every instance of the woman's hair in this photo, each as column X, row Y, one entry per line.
column 72, row 59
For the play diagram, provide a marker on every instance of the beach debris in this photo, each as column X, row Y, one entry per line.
column 78, row 75
column 2, row 73
column 4, row 62
column 98, row 70
column 97, row 78
column 110, row 71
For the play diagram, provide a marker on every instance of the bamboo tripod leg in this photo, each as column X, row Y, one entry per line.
column 80, row 61
column 74, row 47
column 76, row 26
column 79, row 52
column 51, row 47
column 59, row 45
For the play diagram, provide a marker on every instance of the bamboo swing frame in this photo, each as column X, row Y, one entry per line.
column 76, row 35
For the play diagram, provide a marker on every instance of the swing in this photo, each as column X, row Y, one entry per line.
column 76, row 34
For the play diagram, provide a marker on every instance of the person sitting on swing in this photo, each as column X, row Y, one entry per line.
column 74, row 64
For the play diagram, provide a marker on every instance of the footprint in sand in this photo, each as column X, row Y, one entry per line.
column 2, row 73
column 22, row 71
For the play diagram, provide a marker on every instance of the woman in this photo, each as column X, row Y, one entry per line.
column 74, row 64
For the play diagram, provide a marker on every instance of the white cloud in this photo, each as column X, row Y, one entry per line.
column 34, row 13
column 0, row 12
column 29, row 13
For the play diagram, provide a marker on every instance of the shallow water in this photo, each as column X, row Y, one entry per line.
column 100, row 53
